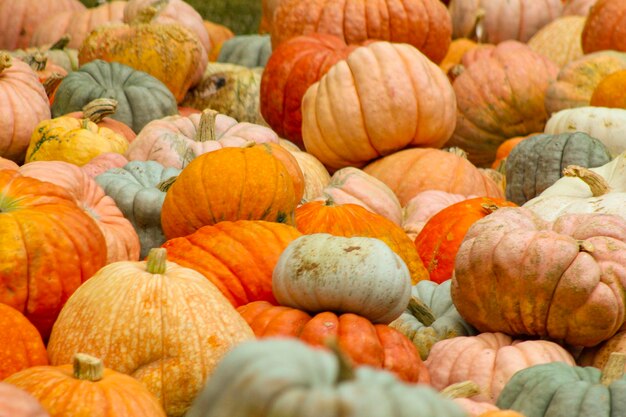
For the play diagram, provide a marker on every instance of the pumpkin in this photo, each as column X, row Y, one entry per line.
column 488, row 359
column 84, row 388
column 577, row 80
column 169, row 357
column 360, row 275
column 16, row 402
column 560, row 40
column 268, row 7
column 175, row 141
column 598, row 356
column 439, row 241
column 121, row 239
column 501, row 413
column 57, row 53
column 98, row 111
column 424, row 24
column 19, row 84
column 375, row 345
column 103, row 162
column 39, row 63
column 22, row 346
column 288, row 378
column 431, row 169
column 504, row 149
column 316, row 177
column 567, row 266
column 7, row 164
column 457, row 49
column 292, row 68
column 72, row 140
column 76, row 23
column 353, row 186
column 561, row 389
column 577, row 7
column 229, row 255
column 49, row 247
column 138, row 188
column 604, row 27
column 489, row 113
column 217, row 35
column 246, row 50
column 20, row 18
column 424, row 206
column 515, row 20
column 538, row 162
column 140, row 97
column 608, row 93
column 431, row 317
column 251, row 185
column 361, row 108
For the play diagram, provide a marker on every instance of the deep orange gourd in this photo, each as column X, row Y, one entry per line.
column 376, row 345
column 605, row 27
column 441, row 237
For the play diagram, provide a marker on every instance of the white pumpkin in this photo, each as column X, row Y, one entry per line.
column 605, row 124
column 360, row 275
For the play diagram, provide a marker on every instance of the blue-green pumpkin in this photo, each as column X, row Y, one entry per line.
column 247, row 50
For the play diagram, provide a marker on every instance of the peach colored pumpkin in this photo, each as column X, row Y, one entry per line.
column 316, row 177
column 104, row 162
column 15, row 402
column 7, row 164
column 383, row 98
column 577, row 7
column 488, row 359
column 560, row 40
column 423, row 206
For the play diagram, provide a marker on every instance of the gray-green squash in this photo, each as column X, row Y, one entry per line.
column 286, row 378
column 141, row 97
column 139, row 189
column 247, row 50
column 538, row 162
column 431, row 317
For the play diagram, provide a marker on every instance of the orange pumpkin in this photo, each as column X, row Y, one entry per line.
column 228, row 184
column 376, row 345
column 604, row 27
column 217, row 33
column 610, row 91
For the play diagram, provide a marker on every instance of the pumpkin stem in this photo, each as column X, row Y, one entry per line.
column 478, row 31
column 61, row 43
column 98, row 109
column 166, row 184
column 465, row 389
column 585, row 246
column 490, row 207
column 596, row 183
column 5, row 61
column 328, row 201
column 346, row 367
column 36, row 60
column 156, row 261
column 52, row 83
column 421, row 311
column 206, row 128
column 457, row 151
column 147, row 14
column 614, row 368
column 87, row 367
column 455, row 72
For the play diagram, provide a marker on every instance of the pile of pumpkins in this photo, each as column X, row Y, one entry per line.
column 367, row 208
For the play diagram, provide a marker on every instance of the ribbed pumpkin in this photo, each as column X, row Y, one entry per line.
column 362, row 109
column 604, row 27
column 19, row 84
column 72, row 140
column 51, row 246
column 489, row 113
column 488, row 359
column 267, row 15
column 229, row 255
column 85, row 388
column 560, row 40
column 351, row 220
column 424, row 24
column 505, row 149
column 20, row 18
column 439, row 241
column 120, row 236
column 566, row 266
column 16, row 402
column 21, row 346
column 98, row 111
column 424, row 206
column 184, row 328
column 412, row 171
column 229, row 184
column 141, row 97
column 103, row 162
column 376, row 345
column 292, row 68
column 610, row 91
column 246, row 50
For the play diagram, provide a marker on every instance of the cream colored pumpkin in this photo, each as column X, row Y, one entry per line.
column 560, row 40
column 316, row 176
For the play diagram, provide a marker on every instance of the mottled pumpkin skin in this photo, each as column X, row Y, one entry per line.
column 16, row 402
column 229, row 255
column 425, row 24
column 440, row 239
column 560, row 40
column 228, row 184
column 500, row 97
column 554, row 280
column 49, row 246
column 610, row 91
column 351, row 220
column 246, row 50
column 605, row 27
column 376, row 345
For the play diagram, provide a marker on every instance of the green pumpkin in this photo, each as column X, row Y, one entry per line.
column 57, row 53
column 287, row 378
column 431, row 316
column 538, row 162
column 141, row 97
column 246, row 50
column 139, row 189
column 557, row 390
column 229, row 89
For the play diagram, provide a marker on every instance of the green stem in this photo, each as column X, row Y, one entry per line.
column 156, row 261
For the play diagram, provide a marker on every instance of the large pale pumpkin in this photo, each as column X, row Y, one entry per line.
column 425, row 24
column 604, row 27
column 16, row 402
column 316, row 176
column 552, row 279
column 424, row 206
column 560, row 40
column 48, row 247
column 384, row 97
column 229, row 254
column 229, row 184
column 157, row 346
